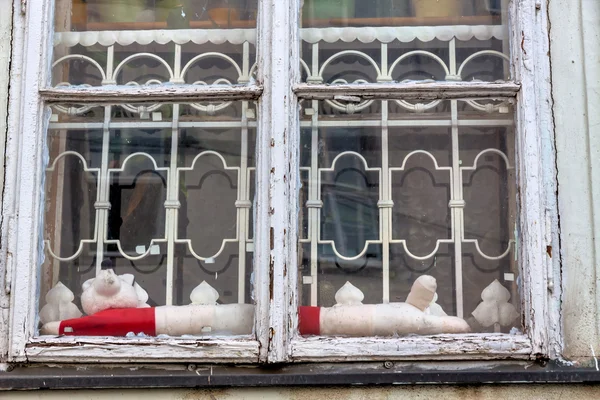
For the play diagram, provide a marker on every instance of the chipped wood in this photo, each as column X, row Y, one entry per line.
column 23, row 172
column 149, row 94
column 5, row 51
column 470, row 346
column 110, row 349
column 536, row 179
column 276, row 172
column 409, row 90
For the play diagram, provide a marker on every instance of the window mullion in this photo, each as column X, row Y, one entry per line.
column 276, row 200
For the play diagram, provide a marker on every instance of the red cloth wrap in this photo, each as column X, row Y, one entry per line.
column 309, row 320
column 112, row 322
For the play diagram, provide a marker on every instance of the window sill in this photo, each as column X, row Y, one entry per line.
column 188, row 376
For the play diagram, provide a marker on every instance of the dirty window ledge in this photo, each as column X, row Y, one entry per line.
column 380, row 373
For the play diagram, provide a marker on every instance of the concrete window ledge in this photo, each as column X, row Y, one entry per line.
column 199, row 376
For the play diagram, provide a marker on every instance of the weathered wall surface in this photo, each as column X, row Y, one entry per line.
column 575, row 52
column 546, row 392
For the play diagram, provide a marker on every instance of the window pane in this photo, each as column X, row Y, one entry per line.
column 395, row 40
column 159, row 194
column 399, row 198
column 137, row 42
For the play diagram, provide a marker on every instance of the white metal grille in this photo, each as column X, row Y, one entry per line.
column 316, row 70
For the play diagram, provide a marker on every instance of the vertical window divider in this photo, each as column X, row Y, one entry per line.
column 277, row 178
column 536, row 177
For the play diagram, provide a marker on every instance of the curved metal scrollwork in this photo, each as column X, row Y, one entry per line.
column 224, row 242
column 319, row 186
column 437, row 168
column 474, row 167
column 82, row 242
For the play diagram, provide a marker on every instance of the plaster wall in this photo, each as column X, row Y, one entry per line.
column 575, row 53
column 547, row 392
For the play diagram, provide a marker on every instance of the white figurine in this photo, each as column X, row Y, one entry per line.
column 59, row 305
column 202, row 317
column 349, row 295
column 141, row 293
column 204, row 294
column 495, row 309
column 352, row 318
column 108, row 290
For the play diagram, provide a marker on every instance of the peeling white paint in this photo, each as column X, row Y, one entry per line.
column 153, row 94
column 410, row 90
column 276, row 177
column 536, row 175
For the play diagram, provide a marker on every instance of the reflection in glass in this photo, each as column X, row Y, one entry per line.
column 397, row 40
column 400, row 209
column 322, row 13
column 150, row 42
column 93, row 15
column 156, row 198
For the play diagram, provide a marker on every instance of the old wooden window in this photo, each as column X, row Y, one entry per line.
column 267, row 152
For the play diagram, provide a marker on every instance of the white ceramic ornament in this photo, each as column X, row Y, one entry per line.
column 59, row 305
column 422, row 292
column 495, row 309
column 141, row 293
column 204, row 294
column 349, row 295
column 108, row 290
column 352, row 318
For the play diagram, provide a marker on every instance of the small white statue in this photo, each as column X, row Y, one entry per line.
column 202, row 317
column 108, row 290
column 352, row 318
column 141, row 293
column 495, row 309
column 204, row 294
column 59, row 305
column 349, row 295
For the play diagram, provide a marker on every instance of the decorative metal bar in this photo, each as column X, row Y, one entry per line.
column 172, row 205
column 103, row 204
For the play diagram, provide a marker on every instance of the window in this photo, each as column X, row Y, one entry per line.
column 268, row 181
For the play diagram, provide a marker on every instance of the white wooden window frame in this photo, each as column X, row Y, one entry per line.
column 276, row 237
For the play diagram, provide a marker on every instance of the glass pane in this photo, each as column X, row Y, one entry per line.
column 407, row 224
column 139, row 42
column 344, row 41
column 148, row 210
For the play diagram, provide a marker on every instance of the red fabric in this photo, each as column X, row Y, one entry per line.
column 309, row 320
column 112, row 322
